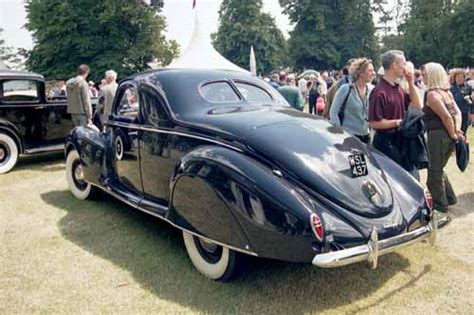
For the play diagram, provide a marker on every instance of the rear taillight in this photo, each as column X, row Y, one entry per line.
column 317, row 226
column 429, row 199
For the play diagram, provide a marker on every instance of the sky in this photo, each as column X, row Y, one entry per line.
column 179, row 16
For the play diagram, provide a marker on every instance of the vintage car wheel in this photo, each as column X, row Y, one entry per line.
column 75, row 178
column 8, row 153
column 119, row 145
column 214, row 261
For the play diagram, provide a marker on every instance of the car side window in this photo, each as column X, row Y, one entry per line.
column 253, row 94
column 152, row 108
column 219, row 92
column 128, row 104
column 20, row 91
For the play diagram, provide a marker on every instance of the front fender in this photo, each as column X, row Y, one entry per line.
column 92, row 148
column 229, row 197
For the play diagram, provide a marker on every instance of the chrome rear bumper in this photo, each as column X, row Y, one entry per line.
column 375, row 248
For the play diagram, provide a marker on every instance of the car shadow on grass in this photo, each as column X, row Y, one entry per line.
column 153, row 253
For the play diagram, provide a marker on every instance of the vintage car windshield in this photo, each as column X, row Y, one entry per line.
column 222, row 93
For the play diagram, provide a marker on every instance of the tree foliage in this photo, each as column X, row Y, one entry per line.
column 243, row 24
column 437, row 30
column 124, row 35
column 11, row 57
column 328, row 33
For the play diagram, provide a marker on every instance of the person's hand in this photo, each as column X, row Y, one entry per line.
column 409, row 76
column 458, row 135
column 92, row 126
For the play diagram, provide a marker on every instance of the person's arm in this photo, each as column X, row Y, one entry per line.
column 457, row 118
column 86, row 102
column 337, row 104
column 375, row 116
column 299, row 101
column 436, row 103
column 415, row 101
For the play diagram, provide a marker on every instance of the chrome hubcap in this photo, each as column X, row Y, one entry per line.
column 2, row 153
column 78, row 174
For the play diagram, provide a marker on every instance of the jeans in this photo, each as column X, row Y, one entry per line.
column 440, row 148
column 312, row 103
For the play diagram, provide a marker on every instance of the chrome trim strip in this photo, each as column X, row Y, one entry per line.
column 178, row 133
column 376, row 248
column 115, row 195
column 58, row 147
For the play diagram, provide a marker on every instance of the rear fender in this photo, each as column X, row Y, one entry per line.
column 230, row 198
column 91, row 147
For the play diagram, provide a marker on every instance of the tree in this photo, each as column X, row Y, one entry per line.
column 243, row 24
column 9, row 56
column 124, row 35
column 328, row 33
column 461, row 34
column 424, row 37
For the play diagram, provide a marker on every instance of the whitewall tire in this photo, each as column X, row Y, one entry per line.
column 75, row 179
column 8, row 153
column 214, row 261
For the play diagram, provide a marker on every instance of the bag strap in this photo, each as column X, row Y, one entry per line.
column 343, row 106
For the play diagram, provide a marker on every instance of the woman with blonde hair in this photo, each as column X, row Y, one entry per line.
column 349, row 108
column 443, row 122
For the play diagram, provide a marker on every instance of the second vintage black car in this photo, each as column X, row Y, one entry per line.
column 221, row 156
column 30, row 121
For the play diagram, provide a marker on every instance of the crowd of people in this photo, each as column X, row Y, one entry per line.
column 414, row 116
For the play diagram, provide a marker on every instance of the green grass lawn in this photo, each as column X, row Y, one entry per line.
column 61, row 255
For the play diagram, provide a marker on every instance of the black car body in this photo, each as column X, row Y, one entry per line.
column 30, row 122
column 221, row 156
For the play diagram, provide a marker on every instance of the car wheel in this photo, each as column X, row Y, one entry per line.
column 8, row 153
column 214, row 261
column 75, row 178
column 119, row 146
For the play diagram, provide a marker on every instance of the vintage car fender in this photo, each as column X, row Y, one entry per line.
column 91, row 147
column 227, row 196
column 406, row 186
column 11, row 130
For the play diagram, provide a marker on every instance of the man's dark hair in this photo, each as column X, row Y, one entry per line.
column 345, row 71
column 83, row 69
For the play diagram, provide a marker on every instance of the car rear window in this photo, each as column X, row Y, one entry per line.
column 20, row 90
column 219, row 92
column 253, row 94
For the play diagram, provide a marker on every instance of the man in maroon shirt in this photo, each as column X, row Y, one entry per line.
column 389, row 102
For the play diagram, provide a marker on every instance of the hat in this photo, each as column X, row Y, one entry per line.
column 91, row 82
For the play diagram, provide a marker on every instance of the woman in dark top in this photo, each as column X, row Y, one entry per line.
column 462, row 93
column 442, row 122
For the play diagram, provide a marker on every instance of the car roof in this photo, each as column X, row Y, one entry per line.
column 7, row 73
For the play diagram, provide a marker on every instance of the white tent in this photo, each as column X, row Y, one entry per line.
column 201, row 55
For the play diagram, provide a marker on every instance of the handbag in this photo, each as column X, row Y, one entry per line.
column 320, row 104
column 462, row 154
column 341, row 113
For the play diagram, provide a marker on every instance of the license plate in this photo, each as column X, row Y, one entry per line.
column 358, row 165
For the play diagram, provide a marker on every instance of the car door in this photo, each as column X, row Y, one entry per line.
column 20, row 105
column 123, row 130
column 157, row 149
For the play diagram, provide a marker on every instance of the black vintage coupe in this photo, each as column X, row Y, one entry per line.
column 221, row 156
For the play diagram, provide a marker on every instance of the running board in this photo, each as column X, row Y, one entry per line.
column 52, row 148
